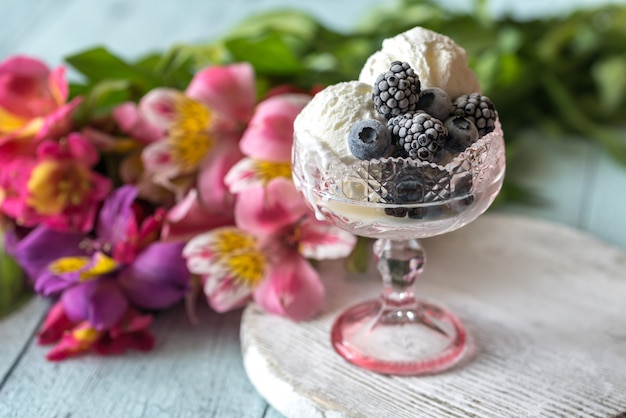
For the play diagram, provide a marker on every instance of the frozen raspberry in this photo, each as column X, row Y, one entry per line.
column 419, row 135
column 435, row 102
column 477, row 108
column 369, row 139
column 397, row 90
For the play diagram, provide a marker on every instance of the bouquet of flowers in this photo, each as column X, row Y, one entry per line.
column 128, row 191
column 182, row 190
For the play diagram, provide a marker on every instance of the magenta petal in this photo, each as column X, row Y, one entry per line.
column 292, row 289
column 158, row 277
column 58, row 122
column 23, row 87
column 228, row 90
column 100, row 302
column 269, row 135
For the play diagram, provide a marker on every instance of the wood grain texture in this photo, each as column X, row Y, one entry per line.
column 195, row 370
column 606, row 202
column 16, row 332
column 545, row 305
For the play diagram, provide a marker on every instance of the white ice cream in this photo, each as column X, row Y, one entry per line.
column 323, row 126
column 437, row 60
column 328, row 117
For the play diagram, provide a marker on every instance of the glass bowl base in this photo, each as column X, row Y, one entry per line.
column 423, row 339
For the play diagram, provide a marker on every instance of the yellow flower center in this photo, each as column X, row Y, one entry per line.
column 103, row 265
column 189, row 136
column 230, row 241
column 267, row 170
column 240, row 255
column 10, row 122
column 86, row 335
column 55, row 185
column 247, row 268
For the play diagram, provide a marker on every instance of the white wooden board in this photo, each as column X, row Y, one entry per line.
column 546, row 306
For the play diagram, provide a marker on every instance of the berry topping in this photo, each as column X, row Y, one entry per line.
column 397, row 90
column 461, row 133
column 369, row 139
column 419, row 135
column 435, row 102
column 477, row 108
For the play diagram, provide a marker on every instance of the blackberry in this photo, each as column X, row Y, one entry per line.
column 408, row 187
column 477, row 108
column 397, row 90
column 413, row 213
column 369, row 139
column 435, row 102
column 419, row 135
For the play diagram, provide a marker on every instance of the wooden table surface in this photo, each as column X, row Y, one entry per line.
column 196, row 370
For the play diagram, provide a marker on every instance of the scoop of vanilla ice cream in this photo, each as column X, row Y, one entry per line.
column 437, row 60
column 326, row 120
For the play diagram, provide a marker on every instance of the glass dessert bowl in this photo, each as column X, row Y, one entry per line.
column 398, row 201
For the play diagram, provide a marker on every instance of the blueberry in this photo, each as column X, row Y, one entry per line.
column 435, row 102
column 368, row 139
column 461, row 133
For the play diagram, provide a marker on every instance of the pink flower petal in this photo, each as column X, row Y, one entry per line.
column 267, row 210
column 200, row 254
column 321, row 241
column 190, row 217
column 55, row 325
column 224, row 293
column 132, row 122
column 24, row 87
column 212, row 191
column 292, row 289
column 228, row 90
column 158, row 107
column 242, row 176
column 58, row 86
column 159, row 162
column 59, row 122
column 270, row 134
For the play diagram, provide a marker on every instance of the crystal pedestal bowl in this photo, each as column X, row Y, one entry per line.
column 397, row 201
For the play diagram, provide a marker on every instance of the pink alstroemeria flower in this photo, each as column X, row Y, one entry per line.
column 32, row 105
column 265, row 257
column 213, row 110
column 132, row 122
column 57, row 187
column 267, row 143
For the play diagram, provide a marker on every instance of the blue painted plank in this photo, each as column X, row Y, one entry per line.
column 195, row 370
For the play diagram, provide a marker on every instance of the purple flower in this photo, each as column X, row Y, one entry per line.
column 100, row 277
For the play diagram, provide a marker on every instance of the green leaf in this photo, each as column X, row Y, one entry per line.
column 13, row 289
column 102, row 98
column 287, row 22
column 98, row 64
column 610, row 77
column 269, row 54
column 359, row 259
